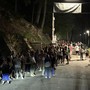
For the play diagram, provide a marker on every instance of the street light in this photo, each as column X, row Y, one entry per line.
column 80, row 37
column 84, row 33
column 87, row 32
column 85, row 37
column 88, row 35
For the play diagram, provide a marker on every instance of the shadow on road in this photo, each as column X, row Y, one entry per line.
column 77, row 81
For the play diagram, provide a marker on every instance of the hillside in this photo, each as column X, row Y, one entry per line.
column 19, row 35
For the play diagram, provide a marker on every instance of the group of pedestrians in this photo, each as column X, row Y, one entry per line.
column 45, row 60
column 81, row 51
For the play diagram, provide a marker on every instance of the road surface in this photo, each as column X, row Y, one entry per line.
column 75, row 76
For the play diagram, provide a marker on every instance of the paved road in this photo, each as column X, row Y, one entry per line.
column 75, row 76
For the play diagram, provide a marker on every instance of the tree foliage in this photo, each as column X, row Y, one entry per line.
column 38, row 12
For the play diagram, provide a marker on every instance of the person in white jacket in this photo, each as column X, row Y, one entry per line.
column 77, row 49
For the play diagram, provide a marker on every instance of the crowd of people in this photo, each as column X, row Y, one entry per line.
column 45, row 60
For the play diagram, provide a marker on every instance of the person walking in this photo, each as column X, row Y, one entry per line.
column 47, row 65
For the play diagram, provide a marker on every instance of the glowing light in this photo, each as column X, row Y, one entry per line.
column 87, row 31
column 84, row 33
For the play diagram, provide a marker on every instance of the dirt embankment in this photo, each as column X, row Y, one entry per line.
column 19, row 35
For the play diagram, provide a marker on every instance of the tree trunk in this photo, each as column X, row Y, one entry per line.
column 15, row 6
column 71, row 35
column 33, row 3
column 67, row 36
column 33, row 12
column 38, row 13
column 44, row 14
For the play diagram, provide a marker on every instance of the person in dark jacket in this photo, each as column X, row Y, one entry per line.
column 47, row 65
column 5, row 72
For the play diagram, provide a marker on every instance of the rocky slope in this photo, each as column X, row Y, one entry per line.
column 19, row 35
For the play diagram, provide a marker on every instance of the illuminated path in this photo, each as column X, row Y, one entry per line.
column 75, row 76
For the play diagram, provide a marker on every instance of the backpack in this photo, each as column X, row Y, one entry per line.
column 47, row 64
